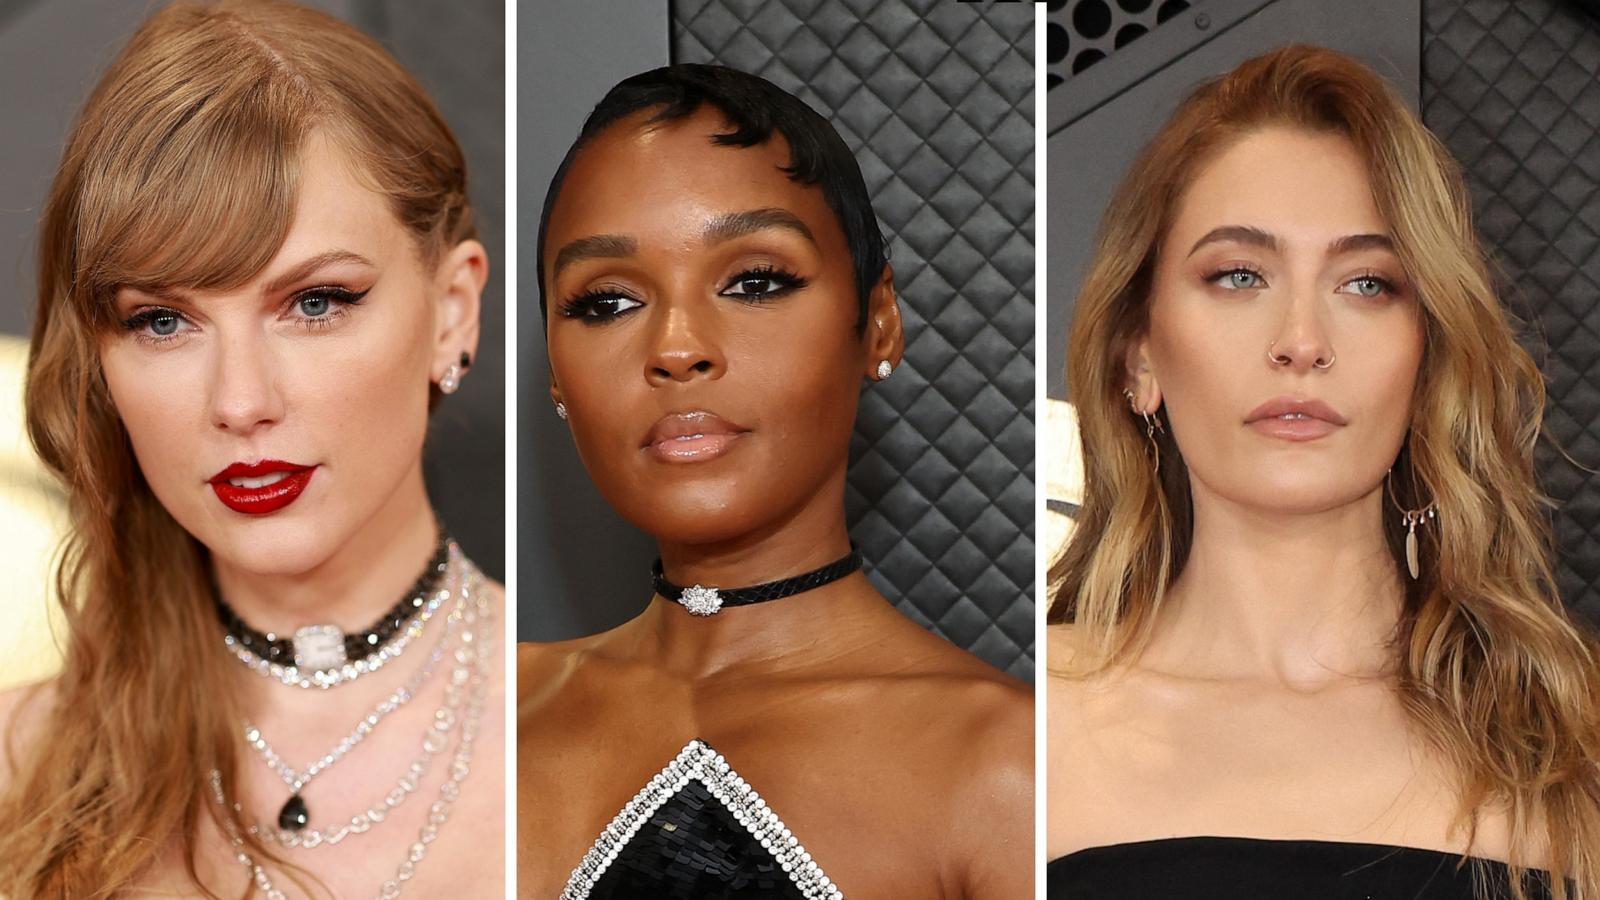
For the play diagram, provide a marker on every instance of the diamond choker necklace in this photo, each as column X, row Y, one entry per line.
column 323, row 655
column 704, row 601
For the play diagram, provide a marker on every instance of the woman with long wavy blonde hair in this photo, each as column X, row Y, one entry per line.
column 257, row 273
column 1305, row 639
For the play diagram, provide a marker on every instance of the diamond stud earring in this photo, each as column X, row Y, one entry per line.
column 561, row 411
column 885, row 369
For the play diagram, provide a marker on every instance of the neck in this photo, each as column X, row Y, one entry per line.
column 355, row 584
column 793, row 631
column 1298, row 599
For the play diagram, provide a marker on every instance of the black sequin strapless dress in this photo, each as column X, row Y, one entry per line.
column 1213, row 868
column 698, row 831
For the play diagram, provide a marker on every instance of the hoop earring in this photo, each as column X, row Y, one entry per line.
column 1410, row 519
column 1152, row 424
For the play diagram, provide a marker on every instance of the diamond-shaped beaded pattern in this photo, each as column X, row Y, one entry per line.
column 1513, row 89
column 936, row 99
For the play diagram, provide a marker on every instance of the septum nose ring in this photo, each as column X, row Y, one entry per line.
column 1317, row 363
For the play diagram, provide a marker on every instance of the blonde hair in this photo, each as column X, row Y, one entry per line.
column 1490, row 664
column 180, row 172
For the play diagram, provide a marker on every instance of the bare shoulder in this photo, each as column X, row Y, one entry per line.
column 543, row 669
column 23, row 711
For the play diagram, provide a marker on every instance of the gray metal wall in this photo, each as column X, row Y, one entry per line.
column 50, row 56
column 1514, row 91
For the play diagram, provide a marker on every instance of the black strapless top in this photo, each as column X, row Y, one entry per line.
column 698, row 831
column 1217, row 868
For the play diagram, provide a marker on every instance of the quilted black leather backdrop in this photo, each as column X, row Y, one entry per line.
column 936, row 99
column 1514, row 90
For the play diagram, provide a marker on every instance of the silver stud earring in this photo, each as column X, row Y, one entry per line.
column 561, row 411
column 885, row 369
column 451, row 380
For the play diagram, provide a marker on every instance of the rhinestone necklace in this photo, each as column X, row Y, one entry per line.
column 705, row 601
column 468, row 685
column 425, row 604
column 294, row 814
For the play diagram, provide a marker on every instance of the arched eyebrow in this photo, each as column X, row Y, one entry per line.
column 1241, row 234
column 1350, row 243
column 309, row 267
column 595, row 246
column 1266, row 240
column 728, row 226
column 724, row 227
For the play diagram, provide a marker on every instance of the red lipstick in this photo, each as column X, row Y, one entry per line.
column 1295, row 420
column 260, row 488
column 692, row 437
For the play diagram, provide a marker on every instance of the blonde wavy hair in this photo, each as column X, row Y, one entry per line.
column 1489, row 663
column 180, row 172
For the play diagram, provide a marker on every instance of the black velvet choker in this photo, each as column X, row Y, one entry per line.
column 704, row 601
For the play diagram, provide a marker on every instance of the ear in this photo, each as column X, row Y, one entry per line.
column 1141, row 379
column 885, row 336
column 459, row 279
column 555, row 391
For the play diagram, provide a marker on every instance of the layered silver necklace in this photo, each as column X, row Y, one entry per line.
column 470, row 625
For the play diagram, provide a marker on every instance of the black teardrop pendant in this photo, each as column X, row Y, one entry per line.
column 293, row 816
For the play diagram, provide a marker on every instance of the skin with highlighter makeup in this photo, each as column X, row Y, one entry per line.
column 1284, row 342
column 703, row 336
column 281, row 423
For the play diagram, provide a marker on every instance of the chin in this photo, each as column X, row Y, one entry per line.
column 278, row 545
column 695, row 516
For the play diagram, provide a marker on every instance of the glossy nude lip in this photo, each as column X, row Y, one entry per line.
column 1291, row 419
column 261, row 499
column 694, row 436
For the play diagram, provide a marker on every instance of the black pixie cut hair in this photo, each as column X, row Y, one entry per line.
column 754, row 108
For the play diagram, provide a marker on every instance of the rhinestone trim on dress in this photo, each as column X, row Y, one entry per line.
column 700, row 762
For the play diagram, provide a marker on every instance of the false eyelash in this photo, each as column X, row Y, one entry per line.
column 785, row 281
column 342, row 298
column 1234, row 269
column 144, row 317
column 586, row 306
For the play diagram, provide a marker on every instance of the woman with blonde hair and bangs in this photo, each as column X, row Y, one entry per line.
column 1305, row 638
column 258, row 273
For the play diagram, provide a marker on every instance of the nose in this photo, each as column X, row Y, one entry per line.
column 245, row 394
column 684, row 345
column 1301, row 342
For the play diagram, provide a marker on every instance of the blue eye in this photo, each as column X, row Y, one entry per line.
column 320, row 307
column 1367, row 286
column 154, row 324
column 1237, row 279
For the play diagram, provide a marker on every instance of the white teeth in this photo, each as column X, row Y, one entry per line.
column 1293, row 416
column 261, row 482
column 689, row 437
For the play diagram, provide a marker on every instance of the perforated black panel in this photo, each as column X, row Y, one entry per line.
column 936, row 100
column 1514, row 90
column 1083, row 32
